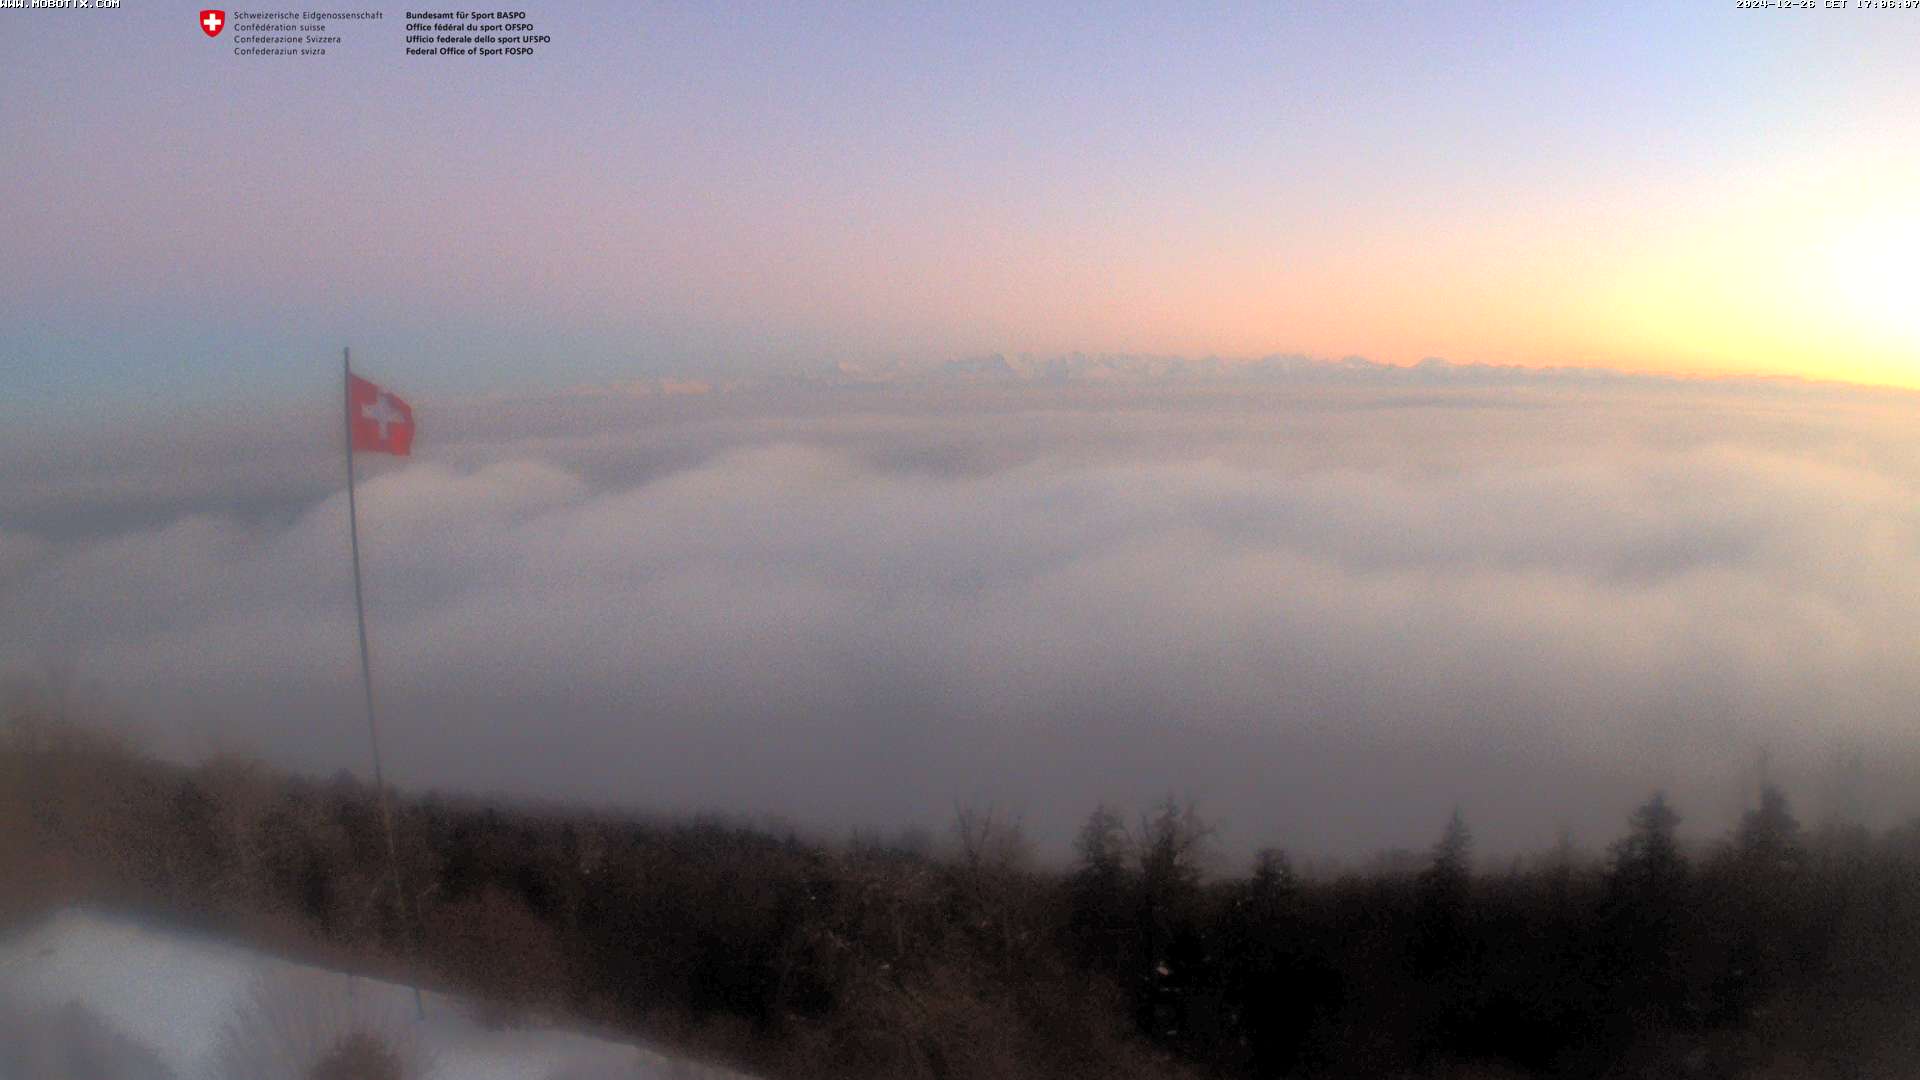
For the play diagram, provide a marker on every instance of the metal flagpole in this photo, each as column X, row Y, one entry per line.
column 366, row 682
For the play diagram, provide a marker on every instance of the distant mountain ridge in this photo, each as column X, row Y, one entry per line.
column 1277, row 368
column 1147, row 370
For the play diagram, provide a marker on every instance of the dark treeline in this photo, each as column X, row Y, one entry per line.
column 1774, row 951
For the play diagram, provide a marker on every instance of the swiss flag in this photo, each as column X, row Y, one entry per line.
column 381, row 422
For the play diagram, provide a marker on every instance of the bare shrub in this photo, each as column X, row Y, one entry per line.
column 359, row 1056
column 493, row 946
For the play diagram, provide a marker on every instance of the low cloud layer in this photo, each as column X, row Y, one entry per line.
column 1328, row 615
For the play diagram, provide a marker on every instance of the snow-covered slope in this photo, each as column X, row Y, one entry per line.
column 194, row 1005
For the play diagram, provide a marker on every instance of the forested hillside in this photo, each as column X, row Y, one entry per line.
column 1774, row 951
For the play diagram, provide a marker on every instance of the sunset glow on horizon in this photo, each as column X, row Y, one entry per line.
column 1686, row 189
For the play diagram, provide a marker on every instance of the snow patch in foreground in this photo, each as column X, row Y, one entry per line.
column 174, row 994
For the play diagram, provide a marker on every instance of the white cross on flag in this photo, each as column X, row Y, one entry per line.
column 381, row 422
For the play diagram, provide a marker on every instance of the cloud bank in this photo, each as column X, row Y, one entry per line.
column 1328, row 614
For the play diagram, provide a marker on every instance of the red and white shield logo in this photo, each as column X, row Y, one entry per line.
column 212, row 21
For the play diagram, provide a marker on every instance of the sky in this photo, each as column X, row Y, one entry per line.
column 715, row 188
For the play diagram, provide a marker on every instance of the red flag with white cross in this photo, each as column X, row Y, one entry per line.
column 381, row 422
